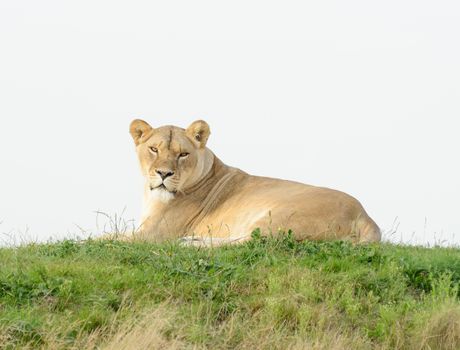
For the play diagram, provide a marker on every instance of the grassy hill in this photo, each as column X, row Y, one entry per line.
column 265, row 294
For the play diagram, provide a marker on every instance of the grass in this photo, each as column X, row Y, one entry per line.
column 264, row 294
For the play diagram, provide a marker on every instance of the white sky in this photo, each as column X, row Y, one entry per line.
column 361, row 96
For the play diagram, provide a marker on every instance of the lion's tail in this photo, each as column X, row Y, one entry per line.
column 212, row 241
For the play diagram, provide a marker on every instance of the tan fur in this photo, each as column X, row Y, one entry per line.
column 202, row 197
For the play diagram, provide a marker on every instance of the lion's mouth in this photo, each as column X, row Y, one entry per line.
column 161, row 187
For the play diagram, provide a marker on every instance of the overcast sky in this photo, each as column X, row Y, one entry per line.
column 361, row 96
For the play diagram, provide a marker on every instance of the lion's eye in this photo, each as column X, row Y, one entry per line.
column 153, row 150
column 183, row 155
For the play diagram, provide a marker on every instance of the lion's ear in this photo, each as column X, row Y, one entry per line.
column 199, row 133
column 140, row 131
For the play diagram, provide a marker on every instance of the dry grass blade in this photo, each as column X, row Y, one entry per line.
column 146, row 332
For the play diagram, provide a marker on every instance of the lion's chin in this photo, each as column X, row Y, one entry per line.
column 161, row 194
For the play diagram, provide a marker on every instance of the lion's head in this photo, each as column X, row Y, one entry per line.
column 171, row 158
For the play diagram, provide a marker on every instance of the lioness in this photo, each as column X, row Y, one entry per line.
column 189, row 192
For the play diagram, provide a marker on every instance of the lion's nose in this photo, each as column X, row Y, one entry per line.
column 164, row 173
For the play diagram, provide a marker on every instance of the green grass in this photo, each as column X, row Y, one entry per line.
column 266, row 293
